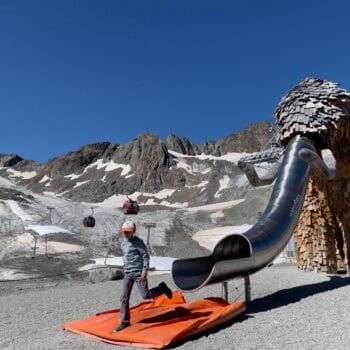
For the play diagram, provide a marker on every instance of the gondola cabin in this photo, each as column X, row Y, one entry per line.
column 130, row 207
column 89, row 221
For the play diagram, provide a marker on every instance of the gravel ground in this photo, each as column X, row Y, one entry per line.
column 290, row 309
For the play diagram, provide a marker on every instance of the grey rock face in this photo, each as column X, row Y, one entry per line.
column 98, row 171
column 181, row 145
column 75, row 162
column 9, row 159
column 255, row 138
column 12, row 194
column 148, row 158
column 27, row 165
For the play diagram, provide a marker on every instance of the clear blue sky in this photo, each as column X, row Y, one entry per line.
column 78, row 72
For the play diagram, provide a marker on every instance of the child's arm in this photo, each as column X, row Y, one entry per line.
column 145, row 256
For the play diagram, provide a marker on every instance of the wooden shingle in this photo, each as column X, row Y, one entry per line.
column 310, row 107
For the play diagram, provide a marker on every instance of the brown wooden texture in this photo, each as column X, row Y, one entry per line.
column 322, row 236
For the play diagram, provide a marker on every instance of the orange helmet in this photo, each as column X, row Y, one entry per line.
column 128, row 226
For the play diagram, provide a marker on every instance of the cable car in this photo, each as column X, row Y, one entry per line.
column 89, row 221
column 130, row 207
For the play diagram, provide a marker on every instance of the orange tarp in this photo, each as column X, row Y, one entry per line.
column 157, row 323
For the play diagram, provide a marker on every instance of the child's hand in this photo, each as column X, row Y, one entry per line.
column 143, row 275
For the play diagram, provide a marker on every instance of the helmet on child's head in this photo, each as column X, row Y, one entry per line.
column 128, row 226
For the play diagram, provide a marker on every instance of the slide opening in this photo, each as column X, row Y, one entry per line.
column 191, row 274
column 232, row 247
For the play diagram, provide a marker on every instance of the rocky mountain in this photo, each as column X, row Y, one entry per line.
column 148, row 164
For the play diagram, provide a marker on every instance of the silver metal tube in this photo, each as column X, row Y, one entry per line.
column 316, row 163
column 247, row 289
column 238, row 255
column 225, row 290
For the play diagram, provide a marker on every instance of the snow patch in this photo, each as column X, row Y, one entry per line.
column 158, row 263
column 28, row 240
column 46, row 229
column 109, row 166
column 44, row 179
column 192, row 168
column 12, row 275
column 209, row 238
column 22, row 174
column 216, row 206
column 223, row 185
column 27, row 219
column 4, row 182
column 230, row 156
column 53, row 194
column 4, row 210
column 202, row 184
column 80, row 183
column 17, row 210
column 73, row 176
column 117, row 201
column 152, row 201
column 217, row 215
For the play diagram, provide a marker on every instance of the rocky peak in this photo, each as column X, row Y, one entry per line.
column 27, row 165
column 146, row 149
column 76, row 161
column 9, row 159
column 208, row 147
column 148, row 157
column 181, row 145
column 254, row 138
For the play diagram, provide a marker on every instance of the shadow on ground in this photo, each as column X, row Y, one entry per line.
column 238, row 319
column 292, row 295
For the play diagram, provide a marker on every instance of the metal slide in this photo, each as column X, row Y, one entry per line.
column 239, row 255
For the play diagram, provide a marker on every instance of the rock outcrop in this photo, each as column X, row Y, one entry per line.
column 9, row 159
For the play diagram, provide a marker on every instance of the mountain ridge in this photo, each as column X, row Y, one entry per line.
column 97, row 171
column 178, row 186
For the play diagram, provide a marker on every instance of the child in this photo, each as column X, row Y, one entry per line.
column 136, row 265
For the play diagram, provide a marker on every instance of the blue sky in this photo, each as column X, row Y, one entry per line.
column 78, row 72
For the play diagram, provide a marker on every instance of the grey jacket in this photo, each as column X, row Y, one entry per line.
column 135, row 255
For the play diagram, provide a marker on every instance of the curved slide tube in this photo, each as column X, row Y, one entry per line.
column 241, row 254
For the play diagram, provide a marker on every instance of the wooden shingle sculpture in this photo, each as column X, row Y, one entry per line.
column 320, row 110
column 311, row 107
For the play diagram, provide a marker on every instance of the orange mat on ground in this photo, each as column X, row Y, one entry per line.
column 156, row 324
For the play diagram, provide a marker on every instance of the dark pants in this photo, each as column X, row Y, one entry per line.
column 142, row 285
